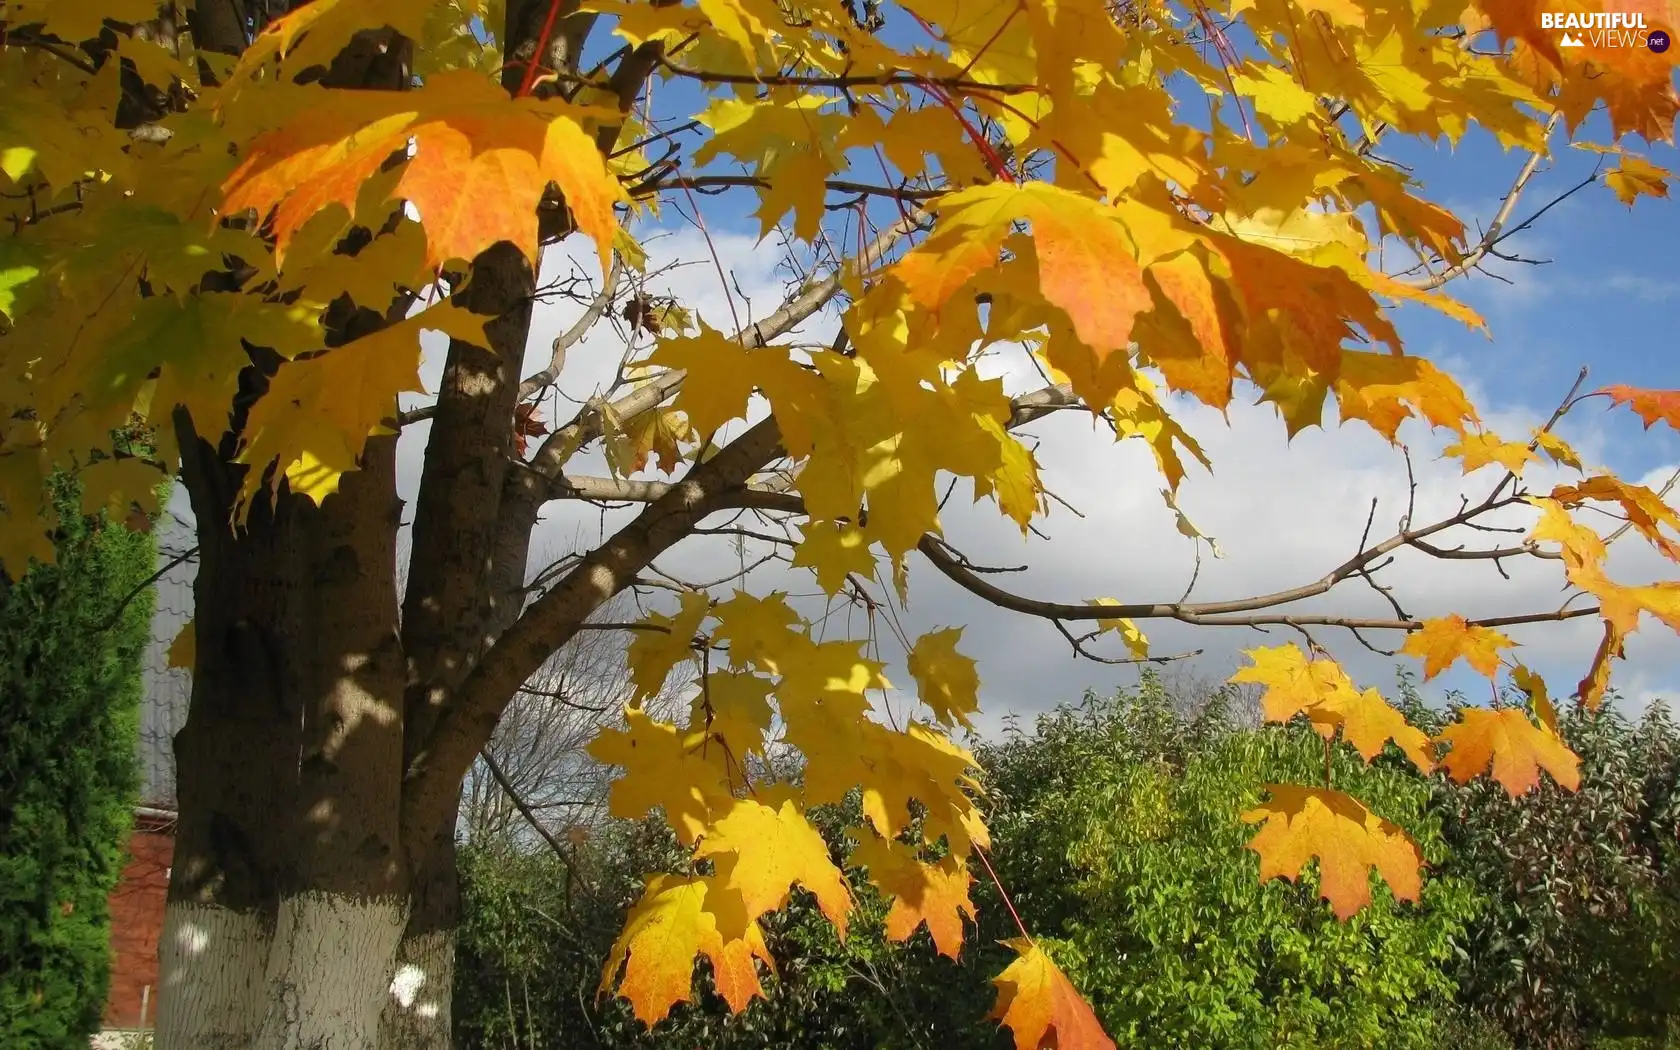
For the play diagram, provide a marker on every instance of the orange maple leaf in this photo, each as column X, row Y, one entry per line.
column 931, row 894
column 1634, row 83
column 1385, row 389
column 1623, row 605
column 1645, row 510
column 1443, row 641
column 480, row 164
column 1515, row 748
column 1348, row 840
column 1650, row 405
column 1042, row 1007
column 1596, row 682
column 1087, row 258
column 526, row 425
column 676, row 919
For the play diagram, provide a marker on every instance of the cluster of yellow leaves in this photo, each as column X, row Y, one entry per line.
column 1307, row 823
column 1155, row 252
column 778, row 683
column 751, row 828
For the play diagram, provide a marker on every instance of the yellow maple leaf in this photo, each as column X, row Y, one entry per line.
column 1442, row 641
column 721, row 375
column 183, row 651
column 1558, row 449
column 666, row 640
column 947, row 681
column 834, row 550
column 764, row 848
column 760, row 631
column 1138, row 413
column 1346, row 839
column 315, row 33
column 76, row 22
column 675, row 920
column 665, row 769
column 1580, row 545
column 1535, row 687
column 116, row 483
column 1636, row 176
column 659, row 433
column 319, row 412
column 1136, row 641
column 733, row 706
column 1480, row 450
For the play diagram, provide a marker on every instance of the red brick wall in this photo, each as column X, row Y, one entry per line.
column 136, row 921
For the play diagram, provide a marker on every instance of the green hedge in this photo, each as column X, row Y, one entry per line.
column 70, row 690
column 1116, row 831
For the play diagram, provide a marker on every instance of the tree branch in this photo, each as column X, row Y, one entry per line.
column 1496, row 229
column 525, row 811
column 467, row 722
column 1204, row 614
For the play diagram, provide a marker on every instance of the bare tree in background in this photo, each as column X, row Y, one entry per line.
column 1193, row 690
column 535, row 775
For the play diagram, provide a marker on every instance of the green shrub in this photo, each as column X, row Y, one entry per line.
column 70, row 687
column 1116, row 832
column 1121, row 842
column 1580, row 942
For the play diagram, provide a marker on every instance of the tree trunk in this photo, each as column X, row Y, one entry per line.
column 235, row 758
column 289, row 892
column 328, row 971
column 211, row 960
column 418, row 1009
column 417, row 1012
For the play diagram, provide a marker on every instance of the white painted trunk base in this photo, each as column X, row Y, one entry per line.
column 329, row 972
column 417, row 1012
column 211, row 963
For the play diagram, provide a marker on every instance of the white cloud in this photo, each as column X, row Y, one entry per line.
column 1643, row 287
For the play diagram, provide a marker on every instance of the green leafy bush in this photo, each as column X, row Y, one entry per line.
column 536, row 933
column 1115, row 829
column 70, row 687
column 1580, row 943
column 1121, row 831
